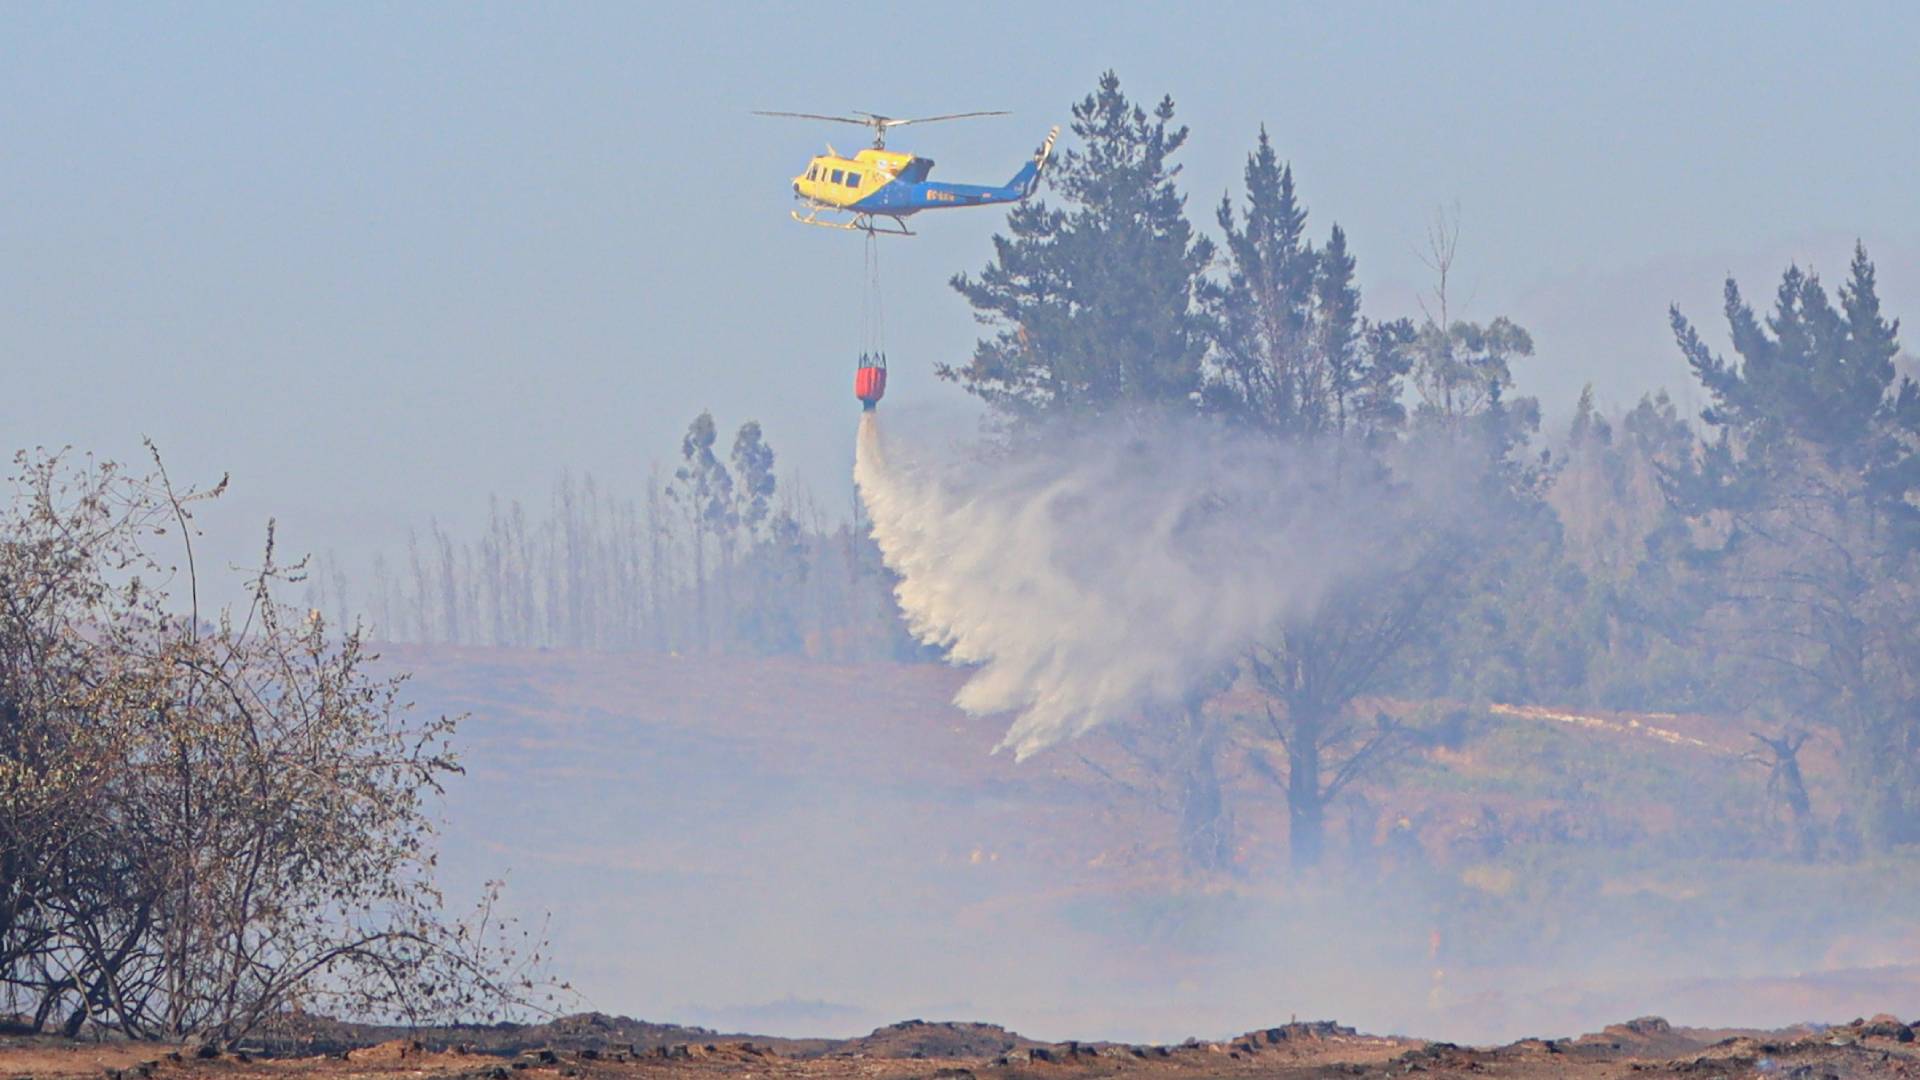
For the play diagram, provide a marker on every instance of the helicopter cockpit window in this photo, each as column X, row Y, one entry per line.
column 813, row 173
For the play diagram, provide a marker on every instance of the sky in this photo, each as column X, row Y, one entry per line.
column 379, row 262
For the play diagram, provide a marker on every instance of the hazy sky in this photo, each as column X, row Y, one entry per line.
column 379, row 261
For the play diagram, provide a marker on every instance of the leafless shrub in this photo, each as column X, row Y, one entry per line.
column 204, row 823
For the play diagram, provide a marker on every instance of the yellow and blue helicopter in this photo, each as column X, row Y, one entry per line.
column 853, row 193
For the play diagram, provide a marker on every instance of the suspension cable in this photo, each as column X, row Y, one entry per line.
column 866, row 298
column 879, row 302
column 873, row 319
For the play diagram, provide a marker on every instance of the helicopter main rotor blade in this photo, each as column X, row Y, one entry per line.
column 815, row 116
column 889, row 121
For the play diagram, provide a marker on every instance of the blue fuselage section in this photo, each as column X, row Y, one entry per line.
column 901, row 198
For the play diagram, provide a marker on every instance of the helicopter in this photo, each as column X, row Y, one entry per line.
column 856, row 192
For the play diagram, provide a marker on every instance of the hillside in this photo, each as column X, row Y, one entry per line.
column 790, row 847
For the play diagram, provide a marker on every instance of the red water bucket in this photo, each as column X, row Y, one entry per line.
column 869, row 384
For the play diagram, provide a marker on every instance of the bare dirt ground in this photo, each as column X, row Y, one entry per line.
column 599, row 1048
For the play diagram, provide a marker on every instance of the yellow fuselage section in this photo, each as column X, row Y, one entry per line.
column 838, row 181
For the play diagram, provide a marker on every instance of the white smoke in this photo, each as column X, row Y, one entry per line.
column 1096, row 573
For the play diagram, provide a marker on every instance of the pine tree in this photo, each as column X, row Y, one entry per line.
column 1098, row 303
column 1337, row 328
column 1806, row 495
column 1588, row 425
column 1376, row 409
column 1292, row 355
column 1266, row 375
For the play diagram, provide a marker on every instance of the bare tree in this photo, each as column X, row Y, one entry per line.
column 200, row 823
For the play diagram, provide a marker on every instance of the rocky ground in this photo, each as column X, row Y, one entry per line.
column 595, row 1047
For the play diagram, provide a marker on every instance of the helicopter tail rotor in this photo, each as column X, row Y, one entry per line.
column 1028, row 178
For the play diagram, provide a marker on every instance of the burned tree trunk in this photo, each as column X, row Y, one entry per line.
column 1326, row 750
column 1306, row 802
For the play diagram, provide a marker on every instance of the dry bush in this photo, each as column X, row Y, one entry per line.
column 204, row 823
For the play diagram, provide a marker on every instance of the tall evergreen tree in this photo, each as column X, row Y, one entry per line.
column 1292, row 355
column 1376, row 407
column 1806, row 498
column 1266, row 374
column 1337, row 329
column 1098, row 302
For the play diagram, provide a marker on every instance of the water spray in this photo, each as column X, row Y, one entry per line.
column 1098, row 572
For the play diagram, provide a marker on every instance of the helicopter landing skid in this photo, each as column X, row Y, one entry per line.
column 857, row 223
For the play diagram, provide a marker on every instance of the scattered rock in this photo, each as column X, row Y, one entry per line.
column 1436, row 1055
column 1885, row 1026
